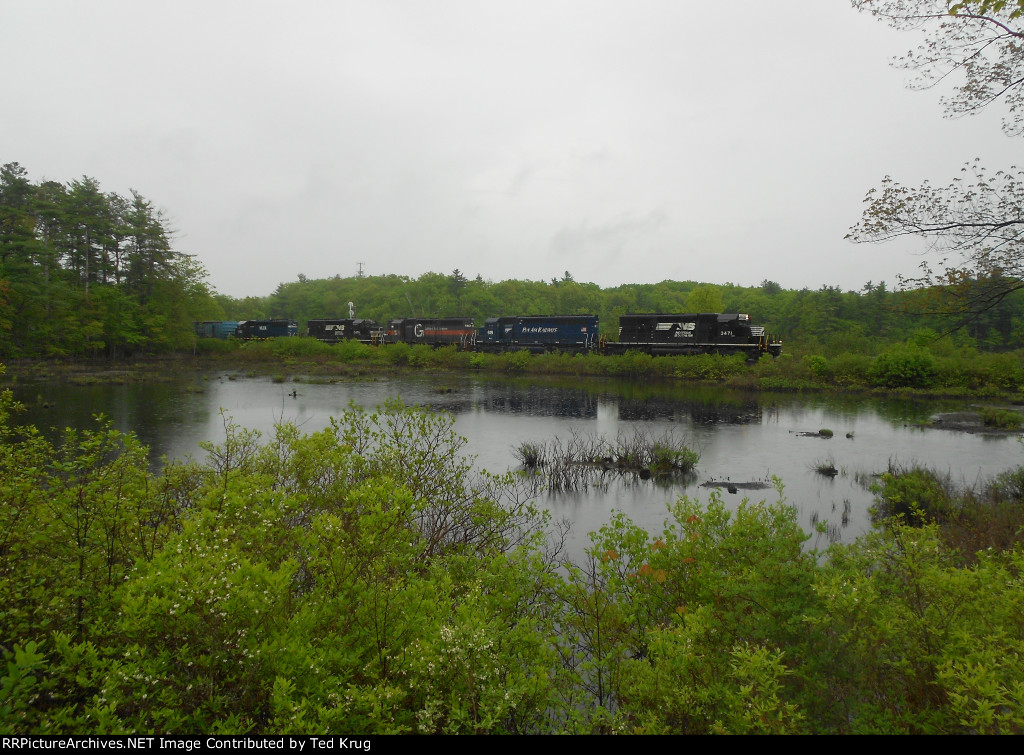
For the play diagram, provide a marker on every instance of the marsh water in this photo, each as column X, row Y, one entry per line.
column 743, row 440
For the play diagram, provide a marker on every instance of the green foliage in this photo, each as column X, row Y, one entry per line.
column 904, row 367
column 984, row 7
column 631, row 364
column 88, row 273
column 352, row 351
column 1010, row 485
column 730, row 588
column 91, row 273
column 367, row 578
column 667, row 458
column 217, row 346
column 851, row 370
column 515, row 361
column 914, row 495
column 816, row 365
column 1004, row 419
column 705, row 298
column 714, row 367
column 396, row 354
column 927, row 647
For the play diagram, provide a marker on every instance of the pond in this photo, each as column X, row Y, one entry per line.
column 743, row 440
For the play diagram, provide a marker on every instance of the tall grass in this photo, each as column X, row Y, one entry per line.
column 585, row 460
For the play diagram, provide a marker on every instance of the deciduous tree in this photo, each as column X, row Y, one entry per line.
column 974, row 226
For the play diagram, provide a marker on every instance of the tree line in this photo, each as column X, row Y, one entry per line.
column 85, row 272
column 89, row 273
column 863, row 321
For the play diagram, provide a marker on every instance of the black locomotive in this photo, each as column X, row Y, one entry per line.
column 432, row 331
column 257, row 329
column 703, row 333
column 335, row 331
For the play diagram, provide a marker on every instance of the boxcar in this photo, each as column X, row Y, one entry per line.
column 538, row 333
column 703, row 333
column 442, row 331
column 254, row 329
column 335, row 331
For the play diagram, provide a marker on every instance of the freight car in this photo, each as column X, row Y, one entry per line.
column 256, row 329
column 335, row 331
column 431, row 331
column 702, row 333
column 215, row 328
column 574, row 334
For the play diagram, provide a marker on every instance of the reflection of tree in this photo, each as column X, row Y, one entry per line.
column 697, row 412
column 540, row 401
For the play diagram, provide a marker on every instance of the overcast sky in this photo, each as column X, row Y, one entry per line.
column 626, row 141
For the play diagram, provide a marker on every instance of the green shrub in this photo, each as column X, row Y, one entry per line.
column 904, row 367
column 515, row 361
column 916, row 495
column 850, row 369
column 421, row 355
column 925, row 646
column 1003, row 419
column 1009, row 485
column 668, row 458
column 351, row 350
column 781, row 383
column 706, row 366
column 451, row 357
column 216, row 345
column 816, row 365
column 396, row 353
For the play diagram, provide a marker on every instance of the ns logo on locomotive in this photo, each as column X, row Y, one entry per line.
column 655, row 334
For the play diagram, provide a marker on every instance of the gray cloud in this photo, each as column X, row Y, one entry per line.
column 625, row 142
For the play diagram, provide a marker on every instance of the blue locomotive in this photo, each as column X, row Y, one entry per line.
column 576, row 334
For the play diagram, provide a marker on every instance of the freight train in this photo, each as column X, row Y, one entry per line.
column 656, row 334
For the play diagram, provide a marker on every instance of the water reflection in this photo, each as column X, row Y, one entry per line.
column 514, row 398
column 697, row 412
column 741, row 438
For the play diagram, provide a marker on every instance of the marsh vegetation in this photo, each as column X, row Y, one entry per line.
column 587, row 459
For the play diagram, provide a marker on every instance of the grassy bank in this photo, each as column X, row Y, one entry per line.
column 902, row 370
